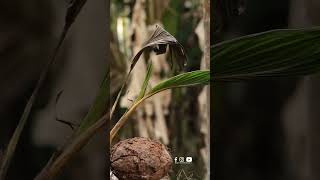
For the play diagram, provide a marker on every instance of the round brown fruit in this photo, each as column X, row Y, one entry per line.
column 140, row 159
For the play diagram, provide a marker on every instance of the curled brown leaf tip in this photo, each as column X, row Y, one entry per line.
column 158, row 43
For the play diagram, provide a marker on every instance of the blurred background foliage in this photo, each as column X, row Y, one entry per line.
column 29, row 32
column 174, row 117
column 266, row 129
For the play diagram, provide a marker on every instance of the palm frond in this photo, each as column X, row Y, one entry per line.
column 277, row 53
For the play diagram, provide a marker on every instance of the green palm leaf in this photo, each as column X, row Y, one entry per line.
column 277, row 53
column 145, row 82
column 200, row 77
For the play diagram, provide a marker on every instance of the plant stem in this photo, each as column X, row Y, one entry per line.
column 126, row 116
column 119, row 94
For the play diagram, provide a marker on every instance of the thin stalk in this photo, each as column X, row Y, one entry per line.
column 119, row 95
column 126, row 116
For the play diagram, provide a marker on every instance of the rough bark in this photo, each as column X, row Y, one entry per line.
column 203, row 33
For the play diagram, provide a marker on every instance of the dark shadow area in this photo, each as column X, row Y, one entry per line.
column 29, row 31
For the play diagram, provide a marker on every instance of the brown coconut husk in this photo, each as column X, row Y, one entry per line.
column 140, row 159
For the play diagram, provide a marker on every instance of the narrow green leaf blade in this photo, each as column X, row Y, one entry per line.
column 277, row 53
column 145, row 82
column 185, row 79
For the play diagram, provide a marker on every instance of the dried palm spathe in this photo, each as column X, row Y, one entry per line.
column 157, row 43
